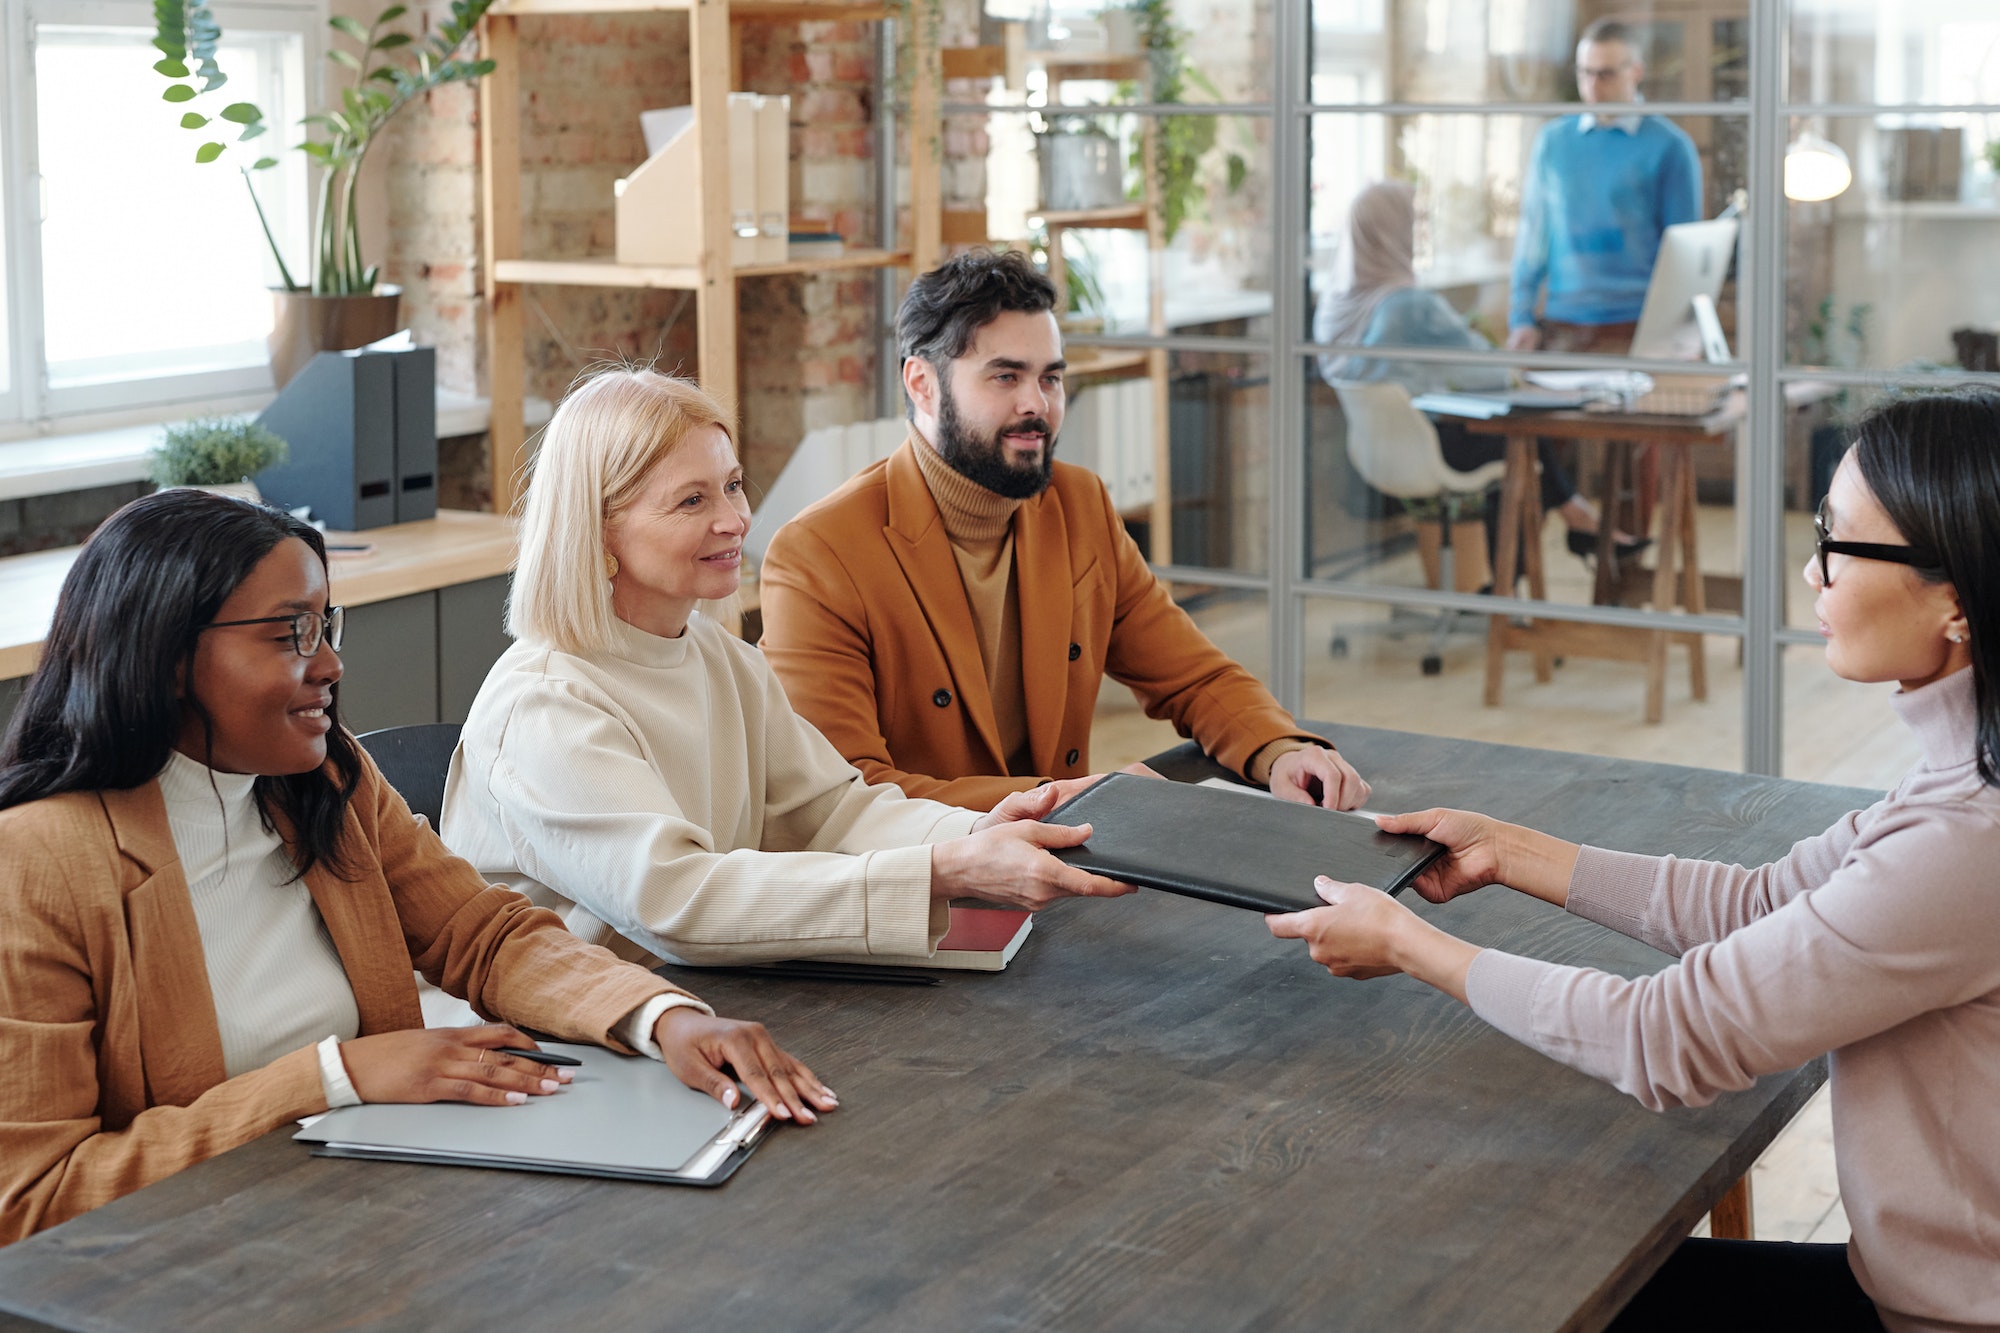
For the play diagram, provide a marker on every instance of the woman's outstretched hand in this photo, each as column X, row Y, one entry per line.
column 1364, row 933
column 699, row 1048
column 1472, row 857
column 448, row 1065
column 1352, row 935
column 1481, row 851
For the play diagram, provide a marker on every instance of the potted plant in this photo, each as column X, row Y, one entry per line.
column 219, row 454
column 1184, row 140
column 339, row 305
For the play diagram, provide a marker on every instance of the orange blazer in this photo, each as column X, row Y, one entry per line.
column 107, row 1029
column 867, row 624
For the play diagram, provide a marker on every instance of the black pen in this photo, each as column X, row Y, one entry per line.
column 542, row 1057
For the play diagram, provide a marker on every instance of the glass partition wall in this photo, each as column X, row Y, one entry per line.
column 1398, row 228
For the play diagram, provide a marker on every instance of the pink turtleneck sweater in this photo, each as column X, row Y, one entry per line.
column 1878, row 941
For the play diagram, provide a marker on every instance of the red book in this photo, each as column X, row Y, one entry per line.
column 979, row 939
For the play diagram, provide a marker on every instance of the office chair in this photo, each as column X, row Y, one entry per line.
column 414, row 759
column 1395, row 449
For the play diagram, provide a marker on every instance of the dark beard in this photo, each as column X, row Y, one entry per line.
column 984, row 462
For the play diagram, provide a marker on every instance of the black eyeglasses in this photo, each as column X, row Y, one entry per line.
column 1824, row 545
column 309, row 628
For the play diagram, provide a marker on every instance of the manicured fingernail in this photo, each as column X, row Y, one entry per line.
column 806, row 1117
column 550, row 1085
column 516, row 1098
column 1323, row 882
column 729, row 1098
column 565, row 1074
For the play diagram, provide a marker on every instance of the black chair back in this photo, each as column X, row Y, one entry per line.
column 414, row 760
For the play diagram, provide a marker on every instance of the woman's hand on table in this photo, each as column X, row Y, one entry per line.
column 447, row 1065
column 1363, row 933
column 703, row 1051
column 1482, row 851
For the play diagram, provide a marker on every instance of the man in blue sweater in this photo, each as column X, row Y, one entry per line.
column 1600, row 189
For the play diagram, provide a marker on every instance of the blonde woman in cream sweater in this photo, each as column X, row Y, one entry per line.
column 635, row 766
column 1877, row 942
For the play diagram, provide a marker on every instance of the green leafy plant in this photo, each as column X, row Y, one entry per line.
column 214, row 451
column 1183, row 140
column 1993, row 155
column 187, row 36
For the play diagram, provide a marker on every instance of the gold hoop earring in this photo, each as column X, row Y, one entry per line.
column 610, row 565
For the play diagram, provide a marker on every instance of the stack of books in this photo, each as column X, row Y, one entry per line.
column 813, row 239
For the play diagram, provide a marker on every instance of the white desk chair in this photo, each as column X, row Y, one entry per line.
column 1395, row 449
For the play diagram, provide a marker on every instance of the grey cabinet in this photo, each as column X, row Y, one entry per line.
column 414, row 659
column 470, row 640
column 420, row 658
column 389, row 661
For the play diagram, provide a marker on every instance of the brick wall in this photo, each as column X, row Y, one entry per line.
column 807, row 350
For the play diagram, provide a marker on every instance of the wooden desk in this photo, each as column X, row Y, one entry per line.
column 1677, row 579
column 1157, row 1117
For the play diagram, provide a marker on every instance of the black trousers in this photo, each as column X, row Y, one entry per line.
column 1720, row 1285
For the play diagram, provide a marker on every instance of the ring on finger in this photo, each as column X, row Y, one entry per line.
column 482, row 1057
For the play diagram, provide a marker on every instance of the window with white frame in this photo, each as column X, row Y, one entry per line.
column 138, row 276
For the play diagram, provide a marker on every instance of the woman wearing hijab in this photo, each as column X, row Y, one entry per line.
column 1377, row 303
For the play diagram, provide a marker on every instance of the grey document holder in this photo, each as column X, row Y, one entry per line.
column 623, row 1116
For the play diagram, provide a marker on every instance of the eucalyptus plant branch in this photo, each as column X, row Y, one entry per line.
column 187, row 36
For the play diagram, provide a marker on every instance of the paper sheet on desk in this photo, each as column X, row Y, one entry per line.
column 1625, row 382
column 1225, row 784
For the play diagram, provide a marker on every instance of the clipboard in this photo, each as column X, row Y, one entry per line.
column 1244, row 851
column 623, row 1117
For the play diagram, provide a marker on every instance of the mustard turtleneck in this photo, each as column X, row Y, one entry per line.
column 980, row 527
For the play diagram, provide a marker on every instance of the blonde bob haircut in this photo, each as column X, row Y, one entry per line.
column 612, row 429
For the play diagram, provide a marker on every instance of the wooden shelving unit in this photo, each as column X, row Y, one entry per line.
column 714, row 65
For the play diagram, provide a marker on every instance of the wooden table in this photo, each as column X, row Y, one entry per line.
column 1677, row 579
column 1157, row 1118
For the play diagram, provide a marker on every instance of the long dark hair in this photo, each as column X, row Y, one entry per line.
column 1933, row 463
column 100, row 712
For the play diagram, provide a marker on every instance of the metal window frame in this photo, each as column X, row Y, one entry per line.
column 29, row 402
column 1289, row 354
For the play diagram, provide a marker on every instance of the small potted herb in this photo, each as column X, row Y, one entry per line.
column 219, row 454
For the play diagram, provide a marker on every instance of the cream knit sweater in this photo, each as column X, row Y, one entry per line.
column 664, row 798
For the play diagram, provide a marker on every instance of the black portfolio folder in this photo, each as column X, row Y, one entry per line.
column 1244, row 850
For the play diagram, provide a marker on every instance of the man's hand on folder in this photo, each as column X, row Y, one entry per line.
column 1317, row 775
column 1006, row 858
column 698, row 1048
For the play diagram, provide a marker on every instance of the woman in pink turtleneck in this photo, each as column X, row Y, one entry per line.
column 1878, row 941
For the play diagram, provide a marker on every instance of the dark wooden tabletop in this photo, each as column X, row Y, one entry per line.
column 1157, row 1118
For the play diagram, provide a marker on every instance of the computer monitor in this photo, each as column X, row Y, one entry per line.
column 1693, row 260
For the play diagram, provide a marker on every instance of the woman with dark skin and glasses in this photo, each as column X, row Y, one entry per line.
column 211, row 903
column 1877, row 942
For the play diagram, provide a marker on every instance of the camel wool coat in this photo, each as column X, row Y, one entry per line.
column 107, row 1029
column 867, row 624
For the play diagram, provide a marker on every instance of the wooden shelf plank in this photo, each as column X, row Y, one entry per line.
column 974, row 62
column 808, row 11
column 1105, row 361
column 1125, row 217
column 965, row 226
column 519, row 7
column 851, row 259
column 596, row 273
